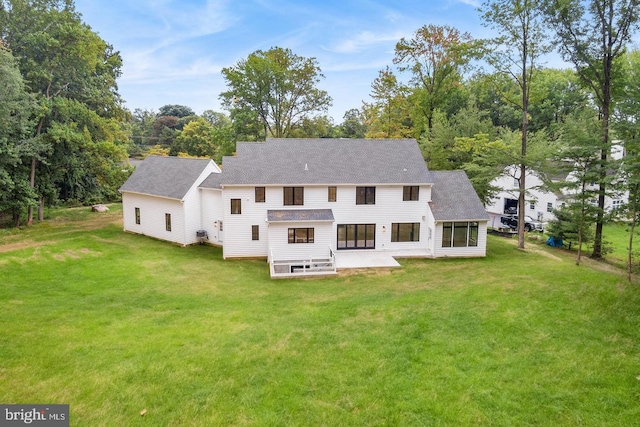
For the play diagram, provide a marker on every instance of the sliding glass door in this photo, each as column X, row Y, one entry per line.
column 356, row 236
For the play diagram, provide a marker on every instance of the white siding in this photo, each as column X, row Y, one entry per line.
column 535, row 195
column 389, row 208
column 193, row 206
column 152, row 216
column 237, row 228
column 471, row 251
column 212, row 213
column 283, row 250
column 186, row 216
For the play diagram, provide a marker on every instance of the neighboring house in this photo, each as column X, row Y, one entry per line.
column 540, row 203
column 305, row 204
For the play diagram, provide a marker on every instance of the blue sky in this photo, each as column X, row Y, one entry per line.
column 173, row 51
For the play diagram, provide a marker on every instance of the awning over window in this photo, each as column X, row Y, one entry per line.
column 300, row 215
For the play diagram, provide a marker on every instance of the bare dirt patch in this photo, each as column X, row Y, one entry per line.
column 9, row 247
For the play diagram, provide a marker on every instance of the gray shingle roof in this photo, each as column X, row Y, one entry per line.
column 454, row 198
column 170, row 177
column 291, row 215
column 212, row 181
column 326, row 161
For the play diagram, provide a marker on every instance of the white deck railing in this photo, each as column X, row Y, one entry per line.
column 302, row 267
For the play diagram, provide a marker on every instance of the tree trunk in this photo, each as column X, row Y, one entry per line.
column 41, row 209
column 523, row 152
column 604, row 155
column 634, row 216
column 32, row 183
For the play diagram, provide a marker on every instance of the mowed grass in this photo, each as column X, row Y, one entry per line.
column 119, row 325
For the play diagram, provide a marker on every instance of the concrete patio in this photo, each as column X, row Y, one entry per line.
column 370, row 259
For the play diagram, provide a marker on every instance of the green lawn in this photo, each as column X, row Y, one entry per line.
column 115, row 324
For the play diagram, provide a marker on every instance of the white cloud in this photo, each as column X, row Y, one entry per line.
column 365, row 40
column 474, row 3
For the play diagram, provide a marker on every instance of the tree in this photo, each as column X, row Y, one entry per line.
column 216, row 118
column 142, row 127
column 314, row 127
column 438, row 146
column 388, row 116
column 72, row 73
column 165, row 130
column 195, row 139
column 489, row 92
column 592, row 35
column 436, row 56
column 555, row 94
column 278, row 86
column 516, row 53
column 580, row 155
column 16, row 108
column 178, row 111
column 627, row 124
column 353, row 124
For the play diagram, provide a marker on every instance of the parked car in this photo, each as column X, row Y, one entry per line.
column 530, row 224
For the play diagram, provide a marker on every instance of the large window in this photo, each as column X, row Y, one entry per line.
column 410, row 192
column 260, row 195
column 365, row 195
column 167, row 221
column 332, row 195
column 459, row 234
column 255, row 232
column 138, row 216
column 356, row 236
column 293, row 196
column 236, row 206
column 301, row 235
column 405, row 232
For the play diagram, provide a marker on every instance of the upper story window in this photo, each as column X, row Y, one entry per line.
column 410, row 192
column 293, row 196
column 332, row 195
column 260, row 198
column 365, row 195
column 236, row 206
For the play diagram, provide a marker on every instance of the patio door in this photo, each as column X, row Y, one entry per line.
column 356, row 236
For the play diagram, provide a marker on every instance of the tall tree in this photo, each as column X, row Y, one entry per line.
column 436, row 56
column 72, row 73
column 592, row 34
column 388, row 116
column 627, row 124
column 516, row 53
column 279, row 86
column 580, row 157
column 16, row 145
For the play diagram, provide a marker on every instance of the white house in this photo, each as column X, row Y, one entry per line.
column 305, row 204
column 540, row 202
